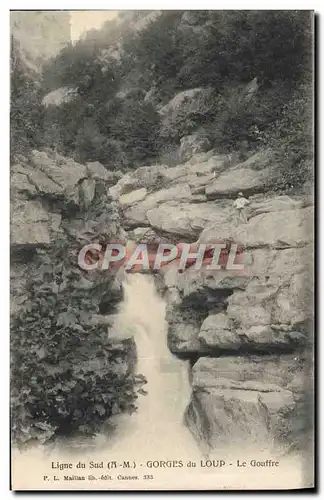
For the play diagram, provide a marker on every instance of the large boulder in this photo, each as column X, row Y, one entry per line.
column 205, row 163
column 217, row 332
column 277, row 300
column 180, row 218
column 244, row 400
column 272, row 229
column 20, row 183
column 67, row 173
column 52, row 176
column 150, row 176
column 185, row 219
column 182, row 192
column 48, row 190
column 29, row 224
column 260, row 206
column 60, row 96
column 38, row 181
column 192, row 144
column 257, row 174
column 281, row 229
column 180, row 99
column 125, row 185
column 133, row 196
column 97, row 171
column 181, row 116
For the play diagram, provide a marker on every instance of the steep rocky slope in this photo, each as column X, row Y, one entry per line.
column 249, row 335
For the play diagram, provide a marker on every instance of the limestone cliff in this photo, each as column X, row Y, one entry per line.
column 249, row 335
column 32, row 28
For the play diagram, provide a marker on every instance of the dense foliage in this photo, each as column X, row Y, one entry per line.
column 114, row 68
column 26, row 110
column 67, row 376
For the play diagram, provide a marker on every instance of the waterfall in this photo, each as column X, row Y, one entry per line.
column 156, row 432
column 168, row 387
column 158, row 423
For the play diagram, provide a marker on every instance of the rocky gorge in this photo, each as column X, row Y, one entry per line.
column 248, row 337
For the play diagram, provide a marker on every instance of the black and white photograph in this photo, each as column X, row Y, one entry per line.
column 162, row 332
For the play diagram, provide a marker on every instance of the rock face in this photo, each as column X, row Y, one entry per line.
column 30, row 224
column 45, row 188
column 252, row 176
column 248, row 333
column 29, row 28
column 266, row 310
column 60, row 96
column 181, row 119
column 192, row 144
column 180, row 99
column 243, row 399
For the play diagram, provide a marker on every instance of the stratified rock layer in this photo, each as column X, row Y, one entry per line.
column 249, row 332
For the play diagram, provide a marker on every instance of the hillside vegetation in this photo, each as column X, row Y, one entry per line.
column 253, row 70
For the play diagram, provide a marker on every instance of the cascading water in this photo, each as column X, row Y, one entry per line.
column 155, row 434
column 158, row 423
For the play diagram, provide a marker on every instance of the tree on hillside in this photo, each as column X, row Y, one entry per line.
column 236, row 46
column 156, row 49
column 26, row 110
column 179, row 50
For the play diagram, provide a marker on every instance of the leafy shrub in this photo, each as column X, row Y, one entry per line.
column 238, row 119
column 120, row 133
column 92, row 145
column 67, row 377
column 156, row 51
column 291, row 138
column 134, row 124
column 26, row 111
column 273, row 45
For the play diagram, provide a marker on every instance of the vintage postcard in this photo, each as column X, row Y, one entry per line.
column 162, row 220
